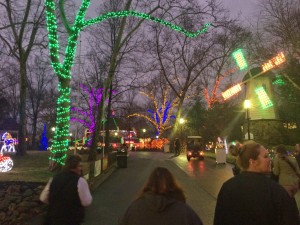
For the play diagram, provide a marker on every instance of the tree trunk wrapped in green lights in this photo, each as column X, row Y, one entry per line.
column 63, row 69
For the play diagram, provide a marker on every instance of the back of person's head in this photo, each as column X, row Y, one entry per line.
column 72, row 162
column 162, row 182
column 281, row 150
column 249, row 150
column 235, row 149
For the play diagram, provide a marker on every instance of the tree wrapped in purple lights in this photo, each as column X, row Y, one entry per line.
column 88, row 118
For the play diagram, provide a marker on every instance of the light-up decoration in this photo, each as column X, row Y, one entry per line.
column 231, row 91
column 63, row 69
column 8, row 143
column 279, row 81
column 6, row 163
column 160, row 116
column 44, row 140
column 276, row 61
column 240, row 59
column 88, row 119
column 263, row 97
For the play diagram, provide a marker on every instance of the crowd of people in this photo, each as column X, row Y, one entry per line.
column 249, row 197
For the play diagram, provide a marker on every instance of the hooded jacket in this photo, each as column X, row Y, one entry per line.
column 153, row 209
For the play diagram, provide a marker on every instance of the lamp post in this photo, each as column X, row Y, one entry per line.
column 247, row 105
column 144, row 131
column 181, row 122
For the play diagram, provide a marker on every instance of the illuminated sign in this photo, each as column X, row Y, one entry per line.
column 277, row 60
column 263, row 97
column 231, row 91
column 240, row 59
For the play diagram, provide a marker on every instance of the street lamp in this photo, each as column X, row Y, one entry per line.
column 181, row 121
column 247, row 105
column 144, row 131
column 53, row 129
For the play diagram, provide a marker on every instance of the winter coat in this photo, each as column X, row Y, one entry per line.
column 252, row 198
column 153, row 209
column 287, row 175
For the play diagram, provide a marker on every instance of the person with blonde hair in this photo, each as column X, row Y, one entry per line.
column 252, row 197
column 287, row 169
column 161, row 202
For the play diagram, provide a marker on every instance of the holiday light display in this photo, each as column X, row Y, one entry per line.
column 160, row 116
column 44, row 140
column 231, row 91
column 89, row 121
column 63, row 69
column 279, row 81
column 6, row 163
column 276, row 61
column 240, row 59
column 263, row 97
column 8, row 143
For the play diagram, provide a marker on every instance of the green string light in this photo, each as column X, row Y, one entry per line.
column 63, row 69
column 147, row 17
column 279, row 81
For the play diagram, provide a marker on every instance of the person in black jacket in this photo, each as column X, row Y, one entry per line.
column 67, row 194
column 177, row 147
column 253, row 198
column 161, row 202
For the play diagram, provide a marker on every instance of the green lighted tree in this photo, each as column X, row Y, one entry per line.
column 63, row 69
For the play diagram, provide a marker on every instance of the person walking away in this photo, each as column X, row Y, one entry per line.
column 161, row 202
column 297, row 151
column 252, row 198
column 177, row 147
column 287, row 169
column 67, row 194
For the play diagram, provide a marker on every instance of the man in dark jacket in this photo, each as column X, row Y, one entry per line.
column 177, row 147
column 67, row 194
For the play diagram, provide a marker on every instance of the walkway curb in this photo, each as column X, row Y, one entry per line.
column 102, row 177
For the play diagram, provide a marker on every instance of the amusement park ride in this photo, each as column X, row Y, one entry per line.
column 258, row 92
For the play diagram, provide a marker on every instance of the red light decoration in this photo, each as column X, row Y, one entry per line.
column 231, row 91
column 276, row 61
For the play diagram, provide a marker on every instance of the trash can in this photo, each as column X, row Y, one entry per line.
column 220, row 155
column 122, row 159
column 167, row 148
